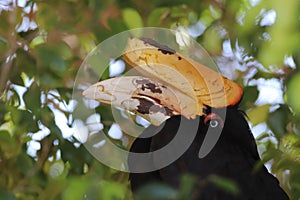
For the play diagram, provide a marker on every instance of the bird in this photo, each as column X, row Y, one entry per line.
column 185, row 99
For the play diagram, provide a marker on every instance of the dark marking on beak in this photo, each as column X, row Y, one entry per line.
column 146, row 84
column 148, row 107
column 144, row 106
column 163, row 48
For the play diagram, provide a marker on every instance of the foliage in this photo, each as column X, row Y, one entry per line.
column 43, row 43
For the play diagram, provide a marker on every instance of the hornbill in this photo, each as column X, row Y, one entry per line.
column 180, row 96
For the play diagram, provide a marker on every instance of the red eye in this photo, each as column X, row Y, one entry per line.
column 214, row 120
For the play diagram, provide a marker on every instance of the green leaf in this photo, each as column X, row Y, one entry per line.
column 37, row 41
column 3, row 47
column 24, row 120
column 24, row 62
column 106, row 113
column 32, row 98
column 47, row 17
column 8, row 145
column 178, row 12
column 156, row 191
column 111, row 190
column 65, row 94
column 49, row 80
column 132, row 18
column 25, row 163
column 293, row 94
column 55, row 131
column 76, row 189
column 187, row 186
column 213, row 40
column 259, row 114
column 225, row 184
column 249, row 97
column 50, row 59
column 6, row 195
column 295, row 182
column 47, row 119
column 158, row 16
column 278, row 120
column 4, row 22
column 206, row 17
column 2, row 112
column 290, row 144
column 77, row 162
column 64, row 51
column 14, row 99
column 284, row 34
column 47, row 116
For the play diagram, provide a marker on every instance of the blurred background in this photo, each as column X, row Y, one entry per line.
column 43, row 43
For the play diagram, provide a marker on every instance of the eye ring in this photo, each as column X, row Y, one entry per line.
column 214, row 120
column 213, row 123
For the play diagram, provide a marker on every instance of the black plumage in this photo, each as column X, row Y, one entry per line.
column 233, row 157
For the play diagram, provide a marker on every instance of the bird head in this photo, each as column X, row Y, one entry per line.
column 171, row 84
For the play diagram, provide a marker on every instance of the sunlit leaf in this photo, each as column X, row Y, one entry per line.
column 213, row 40
column 111, row 190
column 158, row 16
column 37, row 41
column 293, row 94
column 290, row 143
column 76, row 189
column 283, row 34
column 258, row 114
column 132, row 18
